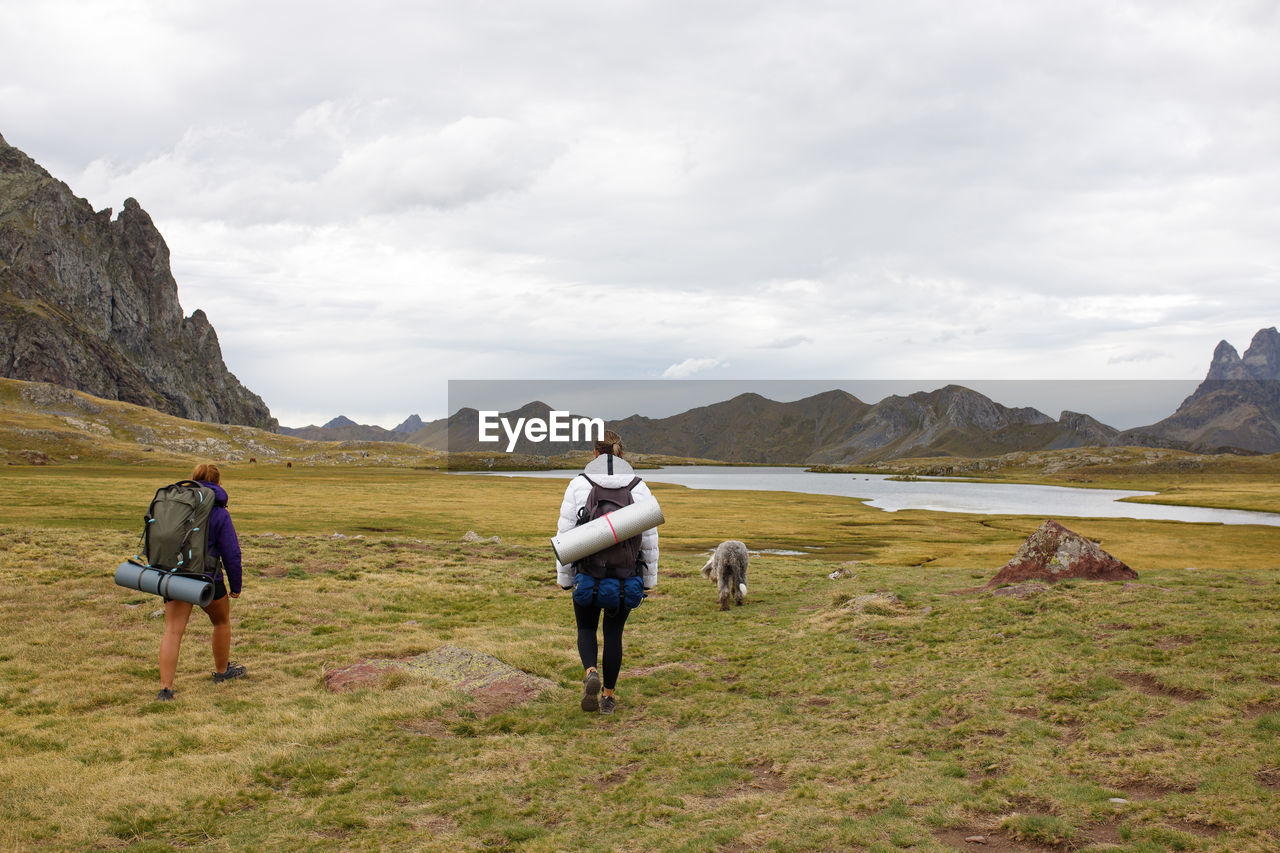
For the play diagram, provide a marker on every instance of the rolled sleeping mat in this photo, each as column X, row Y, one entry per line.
column 192, row 590
column 610, row 528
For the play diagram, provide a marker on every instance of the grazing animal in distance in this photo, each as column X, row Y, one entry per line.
column 728, row 568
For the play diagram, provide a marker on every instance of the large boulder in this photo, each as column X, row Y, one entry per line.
column 1054, row 553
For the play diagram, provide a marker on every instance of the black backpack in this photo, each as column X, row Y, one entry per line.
column 620, row 560
column 176, row 533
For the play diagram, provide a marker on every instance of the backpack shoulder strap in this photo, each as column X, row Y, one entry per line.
column 634, row 482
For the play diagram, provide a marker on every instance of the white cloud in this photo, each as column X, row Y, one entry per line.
column 808, row 189
column 691, row 366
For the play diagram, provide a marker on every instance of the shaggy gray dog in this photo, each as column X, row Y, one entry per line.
column 728, row 568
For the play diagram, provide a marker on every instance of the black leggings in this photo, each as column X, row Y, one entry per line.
column 588, row 616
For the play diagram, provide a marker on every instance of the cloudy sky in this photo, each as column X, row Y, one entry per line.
column 369, row 200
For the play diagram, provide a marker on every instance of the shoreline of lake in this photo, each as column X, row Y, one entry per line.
column 891, row 493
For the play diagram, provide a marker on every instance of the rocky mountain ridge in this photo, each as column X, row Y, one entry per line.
column 89, row 302
column 1235, row 409
column 1237, row 406
column 342, row 428
column 829, row 428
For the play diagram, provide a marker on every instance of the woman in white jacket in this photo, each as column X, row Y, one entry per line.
column 607, row 471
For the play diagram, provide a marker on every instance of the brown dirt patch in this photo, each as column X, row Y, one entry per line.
column 1261, row 709
column 434, row 822
column 1151, row 789
column 1152, row 686
column 617, row 776
column 997, row 839
column 1270, row 778
column 765, row 776
column 273, row 571
column 1031, row 806
column 1104, row 833
column 1166, row 644
column 992, row 840
column 1198, row 829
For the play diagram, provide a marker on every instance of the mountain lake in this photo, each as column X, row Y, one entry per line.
column 937, row 494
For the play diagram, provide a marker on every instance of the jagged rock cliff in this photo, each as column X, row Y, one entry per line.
column 89, row 302
column 1237, row 406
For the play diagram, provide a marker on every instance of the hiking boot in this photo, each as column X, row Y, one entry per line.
column 591, row 691
column 233, row 670
column 165, row 694
column 607, row 704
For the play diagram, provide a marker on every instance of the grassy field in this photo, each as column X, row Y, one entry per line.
column 820, row 716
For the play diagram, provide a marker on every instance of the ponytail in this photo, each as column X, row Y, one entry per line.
column 610, row 443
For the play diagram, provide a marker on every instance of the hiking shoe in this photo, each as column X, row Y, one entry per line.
column 233, row 670
column 607, row 704
column 591, row 691
column 165, row 694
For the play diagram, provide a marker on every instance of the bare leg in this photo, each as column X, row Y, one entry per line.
column 220, row 615
column 176, row 614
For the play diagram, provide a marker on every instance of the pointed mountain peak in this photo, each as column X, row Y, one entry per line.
column 340, row 421
column 411, row 424
column 1262, row 358
column 1226, row 364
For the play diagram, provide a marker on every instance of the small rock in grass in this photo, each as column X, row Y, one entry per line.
column 975, row 839
column 156, row 614
column 1119, row 801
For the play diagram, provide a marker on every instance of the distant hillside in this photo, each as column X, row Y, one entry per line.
column 42, row 423
column 829, row 428
column 343, row 428
column 461, row 434
column 836, row 427
column 1237, row 406
column 89, row 302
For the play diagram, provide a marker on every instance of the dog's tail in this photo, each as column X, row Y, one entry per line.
column 743, row 588
column 706, row 570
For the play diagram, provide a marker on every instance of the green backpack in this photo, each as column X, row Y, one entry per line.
column 177, row 529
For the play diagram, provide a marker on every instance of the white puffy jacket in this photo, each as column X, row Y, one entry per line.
column 575, row 497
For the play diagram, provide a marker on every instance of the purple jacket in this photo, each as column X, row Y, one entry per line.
column 223, row 541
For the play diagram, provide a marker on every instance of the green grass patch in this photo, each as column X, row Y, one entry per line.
column 800, row 721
